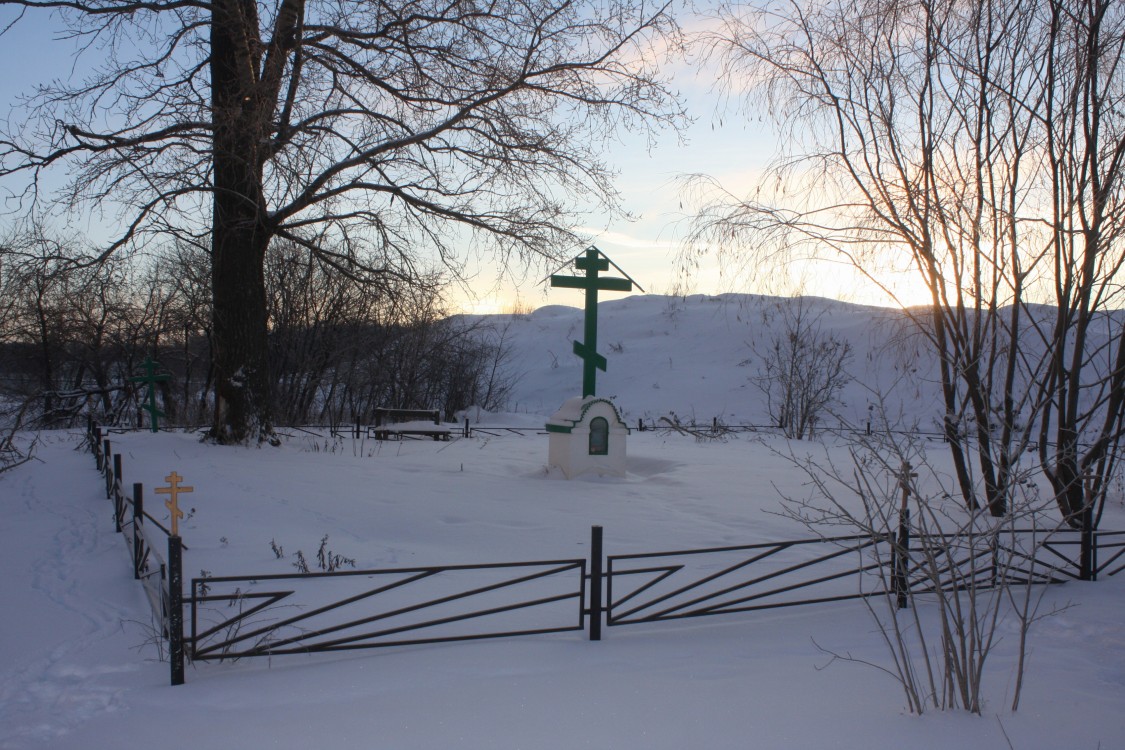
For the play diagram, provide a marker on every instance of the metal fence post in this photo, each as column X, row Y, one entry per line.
column 118, row 499
column 1087, row 569
column 595, row 583
column 105, row 467
column 138, row 536
column 176, row 609
column 902, row 548
column 893, row 537
column 902, row 553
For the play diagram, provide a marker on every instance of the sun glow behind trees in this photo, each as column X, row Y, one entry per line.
column 733, row 148
column 984, row 142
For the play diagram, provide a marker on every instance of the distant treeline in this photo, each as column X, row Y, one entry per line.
column 72, row 336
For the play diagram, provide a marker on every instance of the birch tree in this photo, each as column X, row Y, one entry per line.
column 979, row 145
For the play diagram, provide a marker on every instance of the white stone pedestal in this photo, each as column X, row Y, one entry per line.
column 587, row 435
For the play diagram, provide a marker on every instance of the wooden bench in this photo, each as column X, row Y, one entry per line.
column 409, row 422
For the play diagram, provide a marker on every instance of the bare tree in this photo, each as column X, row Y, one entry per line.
column 39, row 286
column 976, row 144
column 73, row 334
column 803, row 369
column 176, row 287
column 1083, row 81
column 366, row 133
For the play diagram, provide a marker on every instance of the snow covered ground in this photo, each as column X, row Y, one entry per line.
column 79, row 667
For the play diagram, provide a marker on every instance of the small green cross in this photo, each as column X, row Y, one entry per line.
column 593, row 262
column 151, row 379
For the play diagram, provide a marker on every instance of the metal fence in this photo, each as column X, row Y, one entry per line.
column 652, row 587
column 265, row 615
column 161, row 574
column 240, row 616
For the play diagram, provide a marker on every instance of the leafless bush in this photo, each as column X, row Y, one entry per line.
column 12, row 454
column 940, row 592
column 803, row 369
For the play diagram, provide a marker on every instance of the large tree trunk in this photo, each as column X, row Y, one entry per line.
column 242, row 375
column 240, row 230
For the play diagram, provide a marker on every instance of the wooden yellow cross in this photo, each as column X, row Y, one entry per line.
column 906, row 475
column 174, row 489
column 904, row 478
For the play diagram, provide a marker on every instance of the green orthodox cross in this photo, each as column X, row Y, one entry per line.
column 593, row 262
column 151, row 379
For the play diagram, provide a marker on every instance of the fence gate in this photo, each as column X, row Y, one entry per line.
column 304, row 613
column 694, row 583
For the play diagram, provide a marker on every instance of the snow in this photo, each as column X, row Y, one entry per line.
column 79, row 668
column 694, row 357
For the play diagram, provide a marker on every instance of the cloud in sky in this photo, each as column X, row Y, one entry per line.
column 623, row 240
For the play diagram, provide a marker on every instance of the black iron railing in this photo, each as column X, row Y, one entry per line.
column 1064, row 551
column 161, row 576
column 240, row 616
column 652, row 587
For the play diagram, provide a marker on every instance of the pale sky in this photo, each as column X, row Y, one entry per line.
column 731, row 147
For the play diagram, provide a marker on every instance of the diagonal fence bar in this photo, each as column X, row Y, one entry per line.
column 238, row 616
column 689, row 583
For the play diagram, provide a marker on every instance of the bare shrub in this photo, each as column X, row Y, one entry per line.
column 803, row 369
column 944, row 579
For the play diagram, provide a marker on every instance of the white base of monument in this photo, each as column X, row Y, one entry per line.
column 587, row 435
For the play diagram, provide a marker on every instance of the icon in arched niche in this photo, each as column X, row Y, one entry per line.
column 599, row 436
column 587, row 435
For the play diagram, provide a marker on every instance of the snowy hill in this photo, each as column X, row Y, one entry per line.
column 697, row 357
